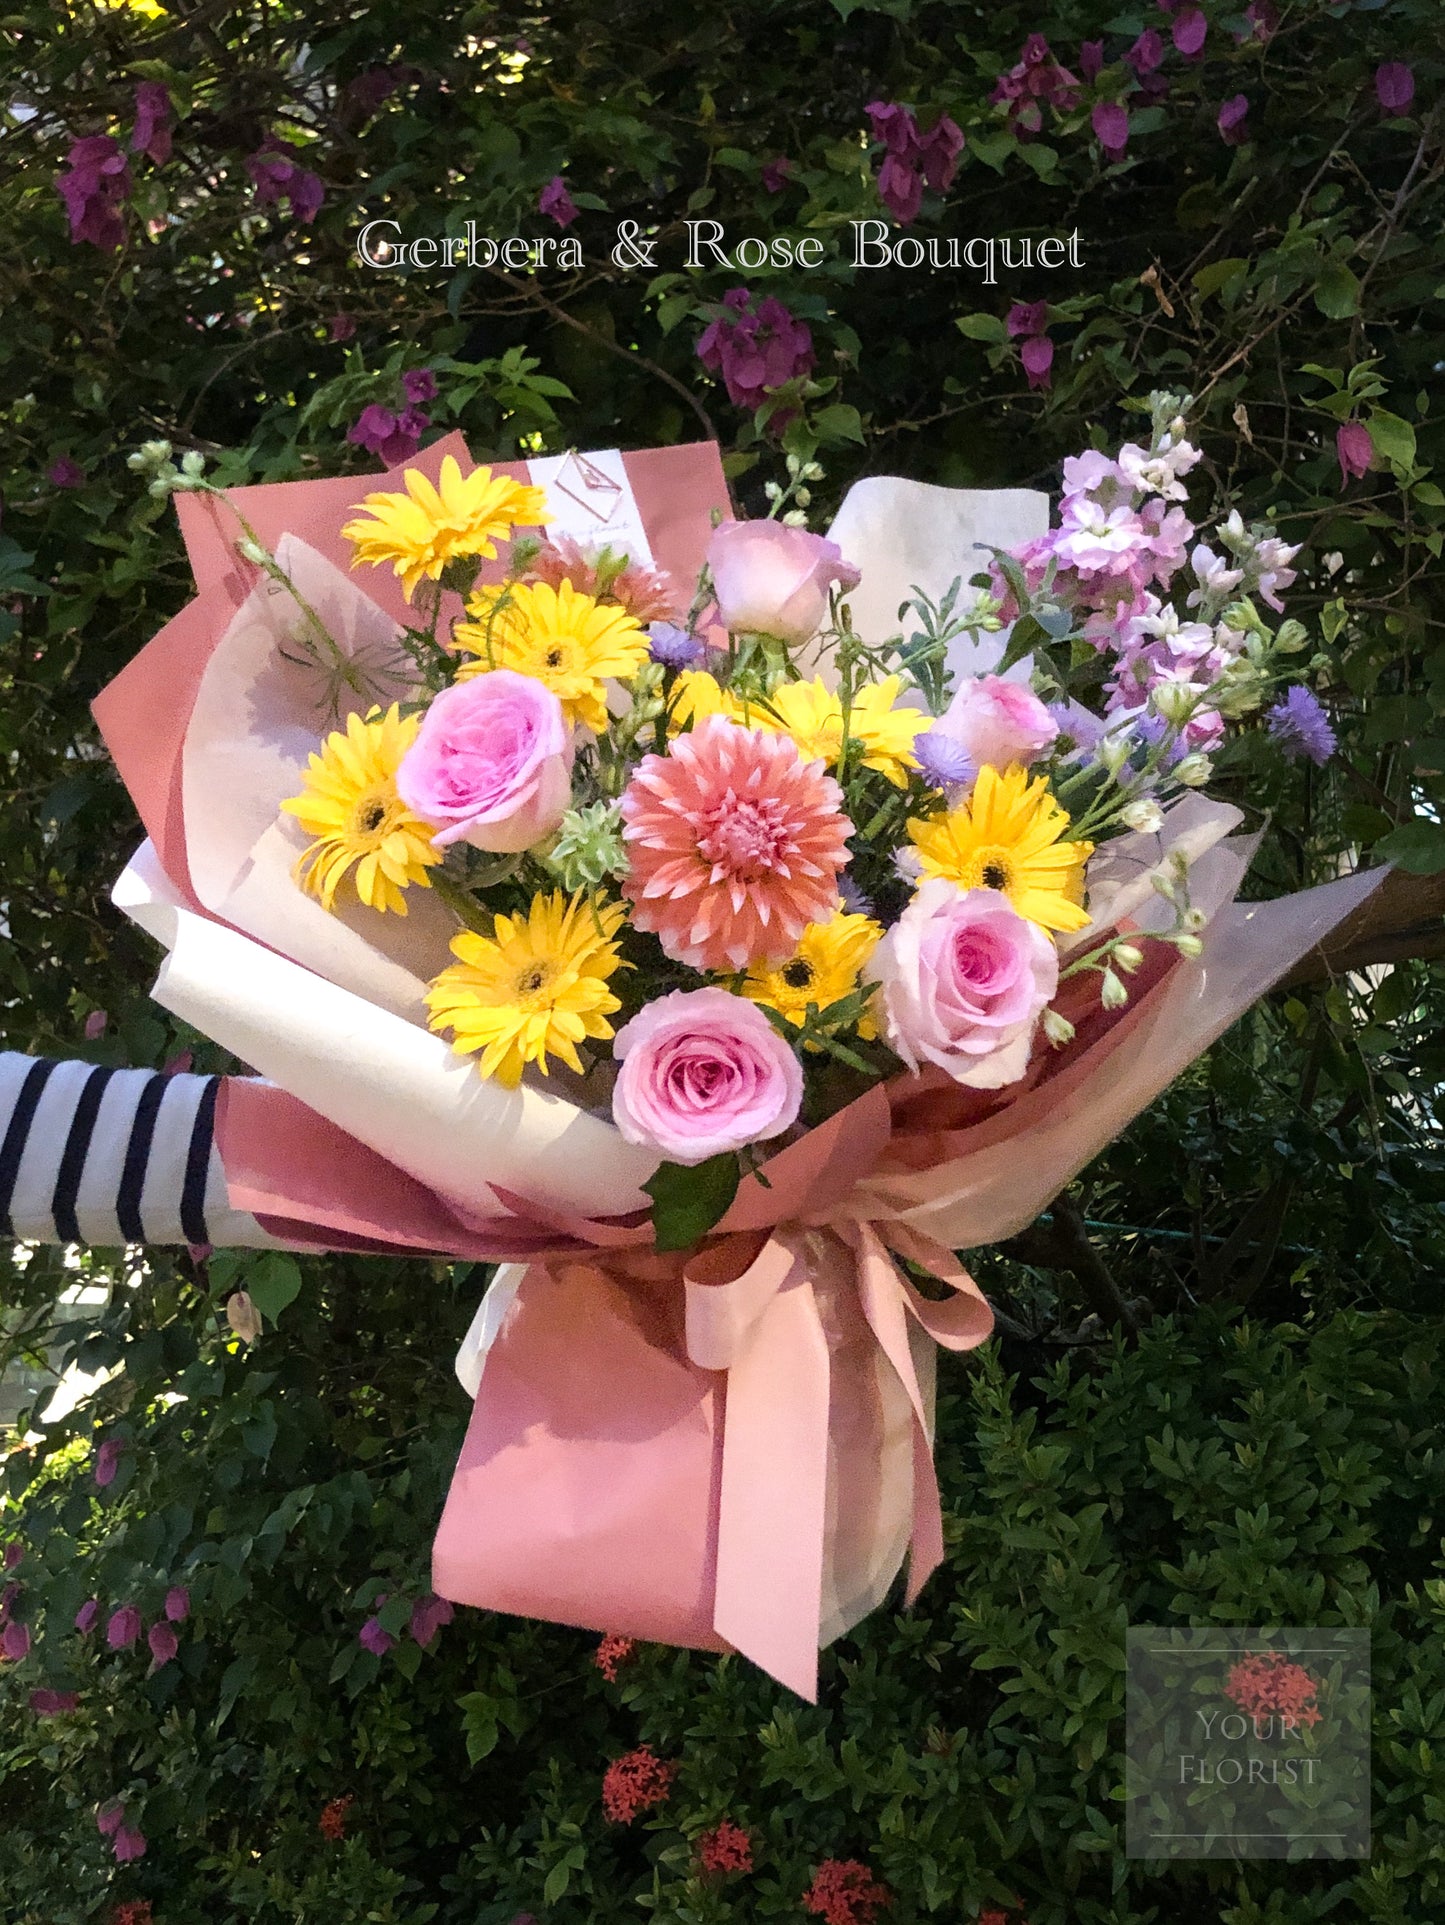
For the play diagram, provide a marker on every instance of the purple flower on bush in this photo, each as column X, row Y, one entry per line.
column 53, row 1704
column 178, row 1604
column 1300, row 726
column 428, row 1615
column 15, row 1641
column 912, row 157
column 128, row 1844
column 1395, row 86
column 395, row 437
column 107, row 1461
column 277, row 174
column 86, row 1616
column 556, row 203
column 673, row 646
column 342, row 328
column 371, row 87
column 1026, row 317
column 1034, row 81
column 1029, row 320
column 1354, row 450
column 94, row 190
column 109, row 1817
column 123, row 1628
column 1232, row 116
column 1147, row 52
column 755, row 349
column 151, row 135
column 1190, row 31
column 64, row 472
column 1110, row 122
column 419, row 385
column 939, row 153
column 14, row 1552
column 163, row 1643
column 894, row 125
column 372, row 1638
column 775, row 174
column 1091, row 59
column 900, row 188
column 1263, row 19
column 1037, row 355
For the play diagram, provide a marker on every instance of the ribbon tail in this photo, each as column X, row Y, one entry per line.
column 772, row 1506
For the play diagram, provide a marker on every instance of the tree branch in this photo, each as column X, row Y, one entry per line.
column 1403, row 921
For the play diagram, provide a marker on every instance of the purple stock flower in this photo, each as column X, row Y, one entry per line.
column 1037, row 355
column 1190, row 31
column 151, row 135
column 1395, row 86
column 756, row 350
column 178, row 1604
column 900, row 188
column 428, row 1615
column 94, row 190
column 1147, row 52
column 1354, row 450
column 1232, row 115
column 64, row 472
column 556, row 203
column 85, row 1617
column 107, row 1461
column 673, row 646
column 419, row 385
column 46, row 1703
column 14, row 1641
column 1091, row 59
column 123, row 1628
column 775, row 174
column 943, row 763
column 1300, row 726
column 277, row 175
column 394, row 437
column 372, row 1638
column 163, row 1643
column 1110, row 122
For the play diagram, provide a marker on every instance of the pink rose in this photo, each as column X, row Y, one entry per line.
column 773, row 580
column 703, row 1072
column 964, row 981
column 998, row 722
column 491, row 763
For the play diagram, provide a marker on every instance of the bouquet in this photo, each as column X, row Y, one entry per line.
column 720, row 924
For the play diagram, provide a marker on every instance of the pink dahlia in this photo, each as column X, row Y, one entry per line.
column 735, row 846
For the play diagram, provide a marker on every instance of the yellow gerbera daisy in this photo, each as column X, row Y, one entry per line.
column 824, row 969
column 813, row 715
column 536, row 987
column 365, row 834
column 696, row 695
column 420, row 531
column 1006, row 837
column 567, row 640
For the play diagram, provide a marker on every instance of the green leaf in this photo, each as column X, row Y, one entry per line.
column 1337, row 293
column 1417, row 846
column 838, row 423
column 1394, row 439
column 273, row 1281
column 981, row 327
column 688, row 1200
column 1210, row 279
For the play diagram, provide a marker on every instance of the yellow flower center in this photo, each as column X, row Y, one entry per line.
column 555, row 657
column 370, row 815
column 532, row 982
column 993, row 870
column 798, row 974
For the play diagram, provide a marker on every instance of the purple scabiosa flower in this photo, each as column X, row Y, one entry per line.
column 775, row 174
column 372, row 1638
column 556, row 203
column 1354, row 450
column 1232, row 116
column 86, row 1616
column 1395, row 86
column 1300, row 726
column 151, row 135
column 854, row 902
column 1110, row 122
column 673, row 646
column 178, row 1604
column 428, row 1615
column 123, row 1628
column 63, row 472
column 163, row 1643
column 942, row 762
column 107, row 1461
column 419, row 385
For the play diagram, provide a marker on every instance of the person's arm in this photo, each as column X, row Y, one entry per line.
column 113, row 1156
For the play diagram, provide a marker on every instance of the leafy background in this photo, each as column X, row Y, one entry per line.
column 1251, row 1441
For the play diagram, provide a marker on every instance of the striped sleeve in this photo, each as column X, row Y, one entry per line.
column 113, row 1156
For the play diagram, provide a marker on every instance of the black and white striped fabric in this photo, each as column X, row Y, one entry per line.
column 113, row 1156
